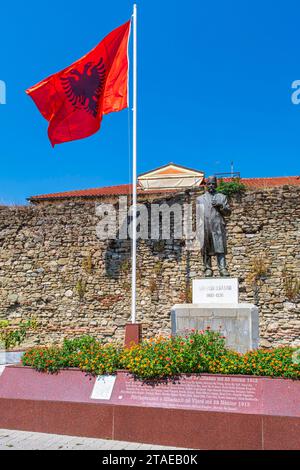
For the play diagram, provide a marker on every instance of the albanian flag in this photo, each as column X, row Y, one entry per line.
column 75, row 99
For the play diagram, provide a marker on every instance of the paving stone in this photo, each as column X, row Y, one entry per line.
column 22, row 440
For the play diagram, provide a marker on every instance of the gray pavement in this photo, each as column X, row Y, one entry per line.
column 23, row 440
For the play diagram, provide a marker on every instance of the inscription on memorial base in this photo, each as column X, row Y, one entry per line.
column 208, row 392
column 215, row 290
column 214, row 393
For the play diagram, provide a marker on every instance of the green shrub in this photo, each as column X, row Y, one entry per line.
column 13, row 335
column 49, row 359
column 163, row 357
column 198, row 352
column 84, row 352
column 275, row 363
column 100, row 359
column 81, row 343
column 231, row 187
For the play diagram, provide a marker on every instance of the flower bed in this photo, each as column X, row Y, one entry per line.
column 199, row 352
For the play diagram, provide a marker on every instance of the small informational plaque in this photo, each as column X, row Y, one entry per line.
column 216, row 290
column 103, row 387
column 13, row 357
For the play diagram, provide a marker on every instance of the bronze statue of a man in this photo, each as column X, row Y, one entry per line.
column 214, row 207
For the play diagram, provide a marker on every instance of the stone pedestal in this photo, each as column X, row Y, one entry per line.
column 215, row 305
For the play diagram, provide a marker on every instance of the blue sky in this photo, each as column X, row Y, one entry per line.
column 214, row 86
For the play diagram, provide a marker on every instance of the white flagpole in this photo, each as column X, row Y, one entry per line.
column 134, row 173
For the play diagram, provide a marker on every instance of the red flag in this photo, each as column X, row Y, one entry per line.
column 75, row 99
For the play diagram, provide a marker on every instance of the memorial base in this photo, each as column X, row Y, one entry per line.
column 198, row 411
column 239, row 323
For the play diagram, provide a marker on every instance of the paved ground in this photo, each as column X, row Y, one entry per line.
column 22, row 440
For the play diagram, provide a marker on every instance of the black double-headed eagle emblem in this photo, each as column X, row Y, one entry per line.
column 84, row 89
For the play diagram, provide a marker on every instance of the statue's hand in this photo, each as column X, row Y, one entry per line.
column 216, row 204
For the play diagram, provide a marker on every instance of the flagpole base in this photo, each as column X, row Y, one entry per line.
column 133, row 334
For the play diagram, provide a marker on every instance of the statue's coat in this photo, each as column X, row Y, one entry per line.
column 214, row 224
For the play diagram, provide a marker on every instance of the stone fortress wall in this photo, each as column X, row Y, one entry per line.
column 53, row 266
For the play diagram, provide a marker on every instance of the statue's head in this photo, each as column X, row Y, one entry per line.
column 211, row 184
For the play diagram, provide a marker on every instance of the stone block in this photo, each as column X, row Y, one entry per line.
column 239, row 323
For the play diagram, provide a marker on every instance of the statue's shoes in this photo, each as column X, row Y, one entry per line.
column 208, row 273
column 224, row 273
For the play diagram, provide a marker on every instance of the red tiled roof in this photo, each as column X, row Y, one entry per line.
column 124, row 189
column 272, row 182
column 119, row 190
